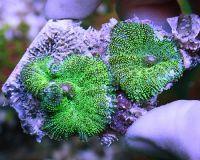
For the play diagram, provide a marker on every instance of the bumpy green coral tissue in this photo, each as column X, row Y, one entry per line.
column 73, row 94
column 142, row 64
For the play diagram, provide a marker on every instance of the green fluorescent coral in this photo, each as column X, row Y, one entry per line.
column 73, row 94
column 141, row 64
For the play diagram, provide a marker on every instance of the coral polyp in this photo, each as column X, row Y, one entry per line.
column 141, row 63
column 72, row 94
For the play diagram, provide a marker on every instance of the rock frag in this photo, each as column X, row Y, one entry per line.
column 126, row 113
column 27, row 108
column 59, row 39
column 186, row 32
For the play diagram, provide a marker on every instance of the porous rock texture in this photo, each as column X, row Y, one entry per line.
column 186, row 31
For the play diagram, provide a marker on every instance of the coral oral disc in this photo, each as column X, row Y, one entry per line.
column 68, row 90
column 72, row 95
column 139, row 74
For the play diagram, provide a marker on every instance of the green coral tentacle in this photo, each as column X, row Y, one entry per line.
column 141, row 64
column 73, row 94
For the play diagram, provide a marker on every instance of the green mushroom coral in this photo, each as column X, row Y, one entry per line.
column 73, row 94
column 142, row 64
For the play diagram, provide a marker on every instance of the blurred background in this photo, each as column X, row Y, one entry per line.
column 20, row 22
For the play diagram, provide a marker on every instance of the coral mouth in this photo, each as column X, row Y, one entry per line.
column 68, row 90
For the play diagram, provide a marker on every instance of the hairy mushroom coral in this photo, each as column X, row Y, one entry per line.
column 141, row 63
column 73, row 94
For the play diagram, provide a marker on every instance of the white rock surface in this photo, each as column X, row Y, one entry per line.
column 70, row 9
column 172, row 129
